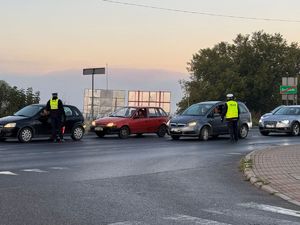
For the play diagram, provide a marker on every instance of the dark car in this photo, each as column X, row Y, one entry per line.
column 203, row 120
column 285, row 120
column 29, row 123
column 132, row 120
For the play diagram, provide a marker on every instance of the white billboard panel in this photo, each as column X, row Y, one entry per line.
column 150, row 98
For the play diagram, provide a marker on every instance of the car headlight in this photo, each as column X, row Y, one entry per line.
column 110, row 124
column 285, row 122
column 192, row 124
column 168, row 123
column 10, row 125
column 260, row 121
column 94, row 123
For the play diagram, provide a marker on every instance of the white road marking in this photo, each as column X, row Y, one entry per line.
column 128, row 223
column 270, row 208
column 8, row 173
column 58, row 168
column 193, row 220
column 35, row 170
column 258, row 218
column 235, row 153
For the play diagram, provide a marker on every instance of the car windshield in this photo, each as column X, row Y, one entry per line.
column 29, row 111
column 274, row 110
column 288, row 111
column 124, row 112
column 197, row 110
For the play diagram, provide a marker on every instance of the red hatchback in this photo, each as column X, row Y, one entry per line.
column 132, row 120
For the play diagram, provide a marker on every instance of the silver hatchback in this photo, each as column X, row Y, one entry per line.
column 284, row 120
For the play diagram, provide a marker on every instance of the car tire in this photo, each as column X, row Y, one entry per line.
column 243, row 131
column 124, row 132
column 162, row 130
column 77, row 133
column 204, row 133
column 100, row 134
column 175, row 137
column 264, row 133
column 25, row 135
column 295, row 129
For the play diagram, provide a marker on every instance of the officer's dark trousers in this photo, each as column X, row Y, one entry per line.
column 233, row 129
column 56, row 127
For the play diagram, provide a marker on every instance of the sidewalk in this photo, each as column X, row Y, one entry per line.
column 276, row 170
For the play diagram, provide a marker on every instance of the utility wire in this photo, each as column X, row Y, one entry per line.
column 201, row 13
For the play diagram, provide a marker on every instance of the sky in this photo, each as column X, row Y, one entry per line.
column 53, row 40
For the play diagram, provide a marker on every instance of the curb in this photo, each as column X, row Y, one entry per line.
column 256, row 181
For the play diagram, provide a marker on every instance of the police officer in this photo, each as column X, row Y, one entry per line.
column 57, row 115
column 231, row 114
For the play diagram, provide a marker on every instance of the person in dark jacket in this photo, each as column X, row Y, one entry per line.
column 57, row 115
column 231, row 113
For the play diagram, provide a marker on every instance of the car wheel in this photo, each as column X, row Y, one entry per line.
column 100, row 134
column 25, row 135
column 124, row 132
column 295, row 129
column 204, row 134
column 162, row 130
column 175, row 137
column 77, row 133
column 243, row 132
column 264, row 133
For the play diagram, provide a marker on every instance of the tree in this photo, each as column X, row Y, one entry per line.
column 251, row 68
column 12, row 99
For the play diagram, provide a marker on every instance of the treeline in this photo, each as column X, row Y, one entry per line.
column 12, row 99
column 251, row 68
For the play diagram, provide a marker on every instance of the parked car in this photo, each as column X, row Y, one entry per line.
column 29, row 123
column 203, row 120
column 284, row 120
column 272, row 112
column 132, row 120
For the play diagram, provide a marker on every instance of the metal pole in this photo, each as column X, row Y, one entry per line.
column 106, row 71
column 93, row 96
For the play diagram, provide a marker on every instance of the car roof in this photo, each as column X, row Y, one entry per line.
column 138, row 107
column 209, row 102
column 44, row 105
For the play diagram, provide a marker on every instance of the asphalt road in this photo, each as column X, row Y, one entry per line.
column 138, row 181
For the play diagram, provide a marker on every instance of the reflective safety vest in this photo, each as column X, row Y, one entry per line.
column 54, row 104
column 232, row 109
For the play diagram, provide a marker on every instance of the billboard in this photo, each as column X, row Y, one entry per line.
column 150, row 98
column 105, row 102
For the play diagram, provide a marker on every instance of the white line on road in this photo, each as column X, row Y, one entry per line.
column 128, row 223
column 8, row 173
column 58, row 168
column 235, row 153
column 193, row 220
column 35, row 170
column 270, row 208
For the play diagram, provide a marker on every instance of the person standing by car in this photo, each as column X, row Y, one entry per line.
column 231, row 114
column 57, row 115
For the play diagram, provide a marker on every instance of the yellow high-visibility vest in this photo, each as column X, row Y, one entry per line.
column 54, row 104
column 232, row 109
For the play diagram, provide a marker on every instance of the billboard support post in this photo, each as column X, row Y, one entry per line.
column 93, row 71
